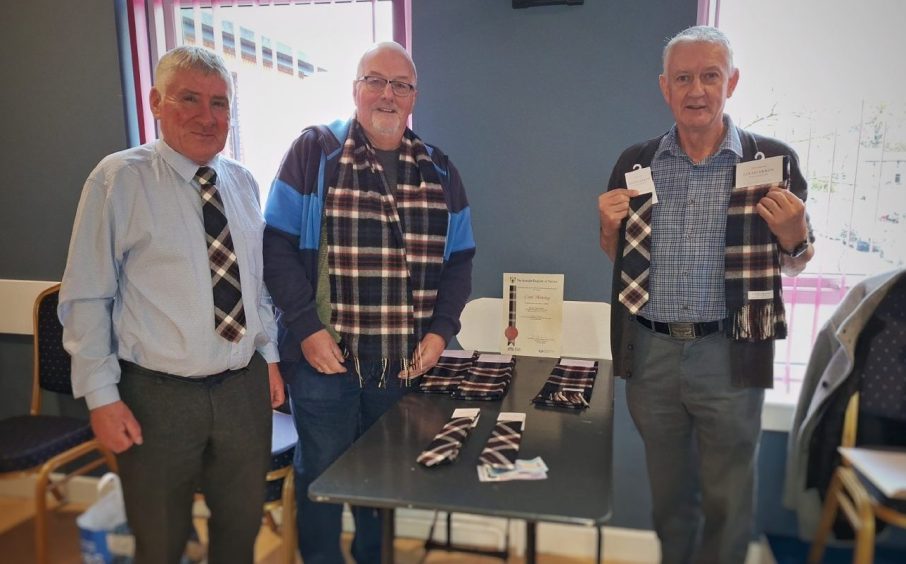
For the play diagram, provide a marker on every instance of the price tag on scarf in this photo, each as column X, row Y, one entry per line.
column 640, row 179
column 760, row 171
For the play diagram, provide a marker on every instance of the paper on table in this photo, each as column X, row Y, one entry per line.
column 534, row 469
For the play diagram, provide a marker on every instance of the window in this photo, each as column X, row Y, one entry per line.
column 293, row 63
column 837, row 98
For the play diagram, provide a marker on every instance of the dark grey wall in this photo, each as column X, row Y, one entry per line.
column 61, row 106
column 534, row 106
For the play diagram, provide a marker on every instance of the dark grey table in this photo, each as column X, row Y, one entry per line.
column 379, row 470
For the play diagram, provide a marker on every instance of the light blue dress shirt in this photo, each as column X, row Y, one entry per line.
column 137, row 284
column 688, row 230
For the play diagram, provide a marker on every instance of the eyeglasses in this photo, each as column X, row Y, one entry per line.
column 378, row 84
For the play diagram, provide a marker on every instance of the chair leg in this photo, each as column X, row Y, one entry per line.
column 288, row 527
column 864, row 551
column 831, row 503
column 41, row 483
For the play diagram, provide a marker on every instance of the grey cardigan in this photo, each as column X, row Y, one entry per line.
column 752, row 363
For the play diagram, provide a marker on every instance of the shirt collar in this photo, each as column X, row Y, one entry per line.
column 669, row 144
column 185, row 167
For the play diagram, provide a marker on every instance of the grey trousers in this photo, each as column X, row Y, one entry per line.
column 701, row 439
column 212, row 436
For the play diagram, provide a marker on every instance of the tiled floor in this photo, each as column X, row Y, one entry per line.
column 16, row 542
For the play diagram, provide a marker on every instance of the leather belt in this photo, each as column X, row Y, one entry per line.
column 682, row 330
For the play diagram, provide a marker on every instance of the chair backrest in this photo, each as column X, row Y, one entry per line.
column 586, row 328
column 51, row 361
column 850, row 422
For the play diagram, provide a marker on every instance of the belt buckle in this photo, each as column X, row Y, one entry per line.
column 684, row 331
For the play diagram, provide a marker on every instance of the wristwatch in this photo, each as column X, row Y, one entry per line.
column 798, row 250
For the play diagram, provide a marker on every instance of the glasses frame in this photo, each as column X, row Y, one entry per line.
column 395, row 85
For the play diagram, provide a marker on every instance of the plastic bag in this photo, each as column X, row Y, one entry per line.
column 103, row 531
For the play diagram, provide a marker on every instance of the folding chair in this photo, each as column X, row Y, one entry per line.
column 45, row 445
column 848, row 494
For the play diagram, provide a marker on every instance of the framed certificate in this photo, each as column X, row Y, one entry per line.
column 532, row 314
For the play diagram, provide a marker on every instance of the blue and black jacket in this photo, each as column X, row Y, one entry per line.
column 292, row 235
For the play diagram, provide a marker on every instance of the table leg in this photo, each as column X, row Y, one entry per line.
column 530, row 530
column 388, row 534
column 598, row 550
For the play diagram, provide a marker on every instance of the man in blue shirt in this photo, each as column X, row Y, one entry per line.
column 163, row 308
column 697, row 300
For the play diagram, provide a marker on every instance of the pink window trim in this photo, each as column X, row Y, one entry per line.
column 141, row 36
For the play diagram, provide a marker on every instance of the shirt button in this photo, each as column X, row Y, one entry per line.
column 629, row 347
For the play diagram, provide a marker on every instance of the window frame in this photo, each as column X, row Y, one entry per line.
column 153, row 31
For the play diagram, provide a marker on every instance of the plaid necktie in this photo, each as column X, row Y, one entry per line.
column 503, row 446
column 448, row 442
column 229, row 316
column 636, row 254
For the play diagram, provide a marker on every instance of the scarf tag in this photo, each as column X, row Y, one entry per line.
column 640, row 179
column 760, row 171
column 754, row 295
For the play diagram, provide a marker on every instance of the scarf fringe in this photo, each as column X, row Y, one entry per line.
column 755, row 322
column 382, row 379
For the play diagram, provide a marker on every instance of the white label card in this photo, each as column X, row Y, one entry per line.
column 759, row 171
column 470, row 412
column 512, row 416
column 761, row 295
column 495, row 358
column 577, row 363
column 457, row 354
column 640, row 179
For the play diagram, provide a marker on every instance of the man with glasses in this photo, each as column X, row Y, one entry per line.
column 697, row 297
column 368, row 256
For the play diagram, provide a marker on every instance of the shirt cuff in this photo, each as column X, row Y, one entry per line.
column 102, row 396
column 269, row 353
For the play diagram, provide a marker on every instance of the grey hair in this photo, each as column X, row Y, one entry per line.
column 700, row 34
column 386, row 46
column 189, row 58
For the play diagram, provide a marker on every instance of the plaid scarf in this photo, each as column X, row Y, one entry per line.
column 568, row 386
column 385, row 249
column 486, row 380
column 752, row 285
column 446, row 375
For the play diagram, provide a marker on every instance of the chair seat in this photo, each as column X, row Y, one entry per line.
column 878, row 495
column 27, row 441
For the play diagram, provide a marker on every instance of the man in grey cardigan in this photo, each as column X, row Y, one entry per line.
column 697, row 300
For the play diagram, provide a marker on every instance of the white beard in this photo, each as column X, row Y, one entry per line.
column 384, row 123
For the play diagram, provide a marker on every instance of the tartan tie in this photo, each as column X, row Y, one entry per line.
column 503, row 446
column 447, row 443
column 229, row 315
column 636, row 254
